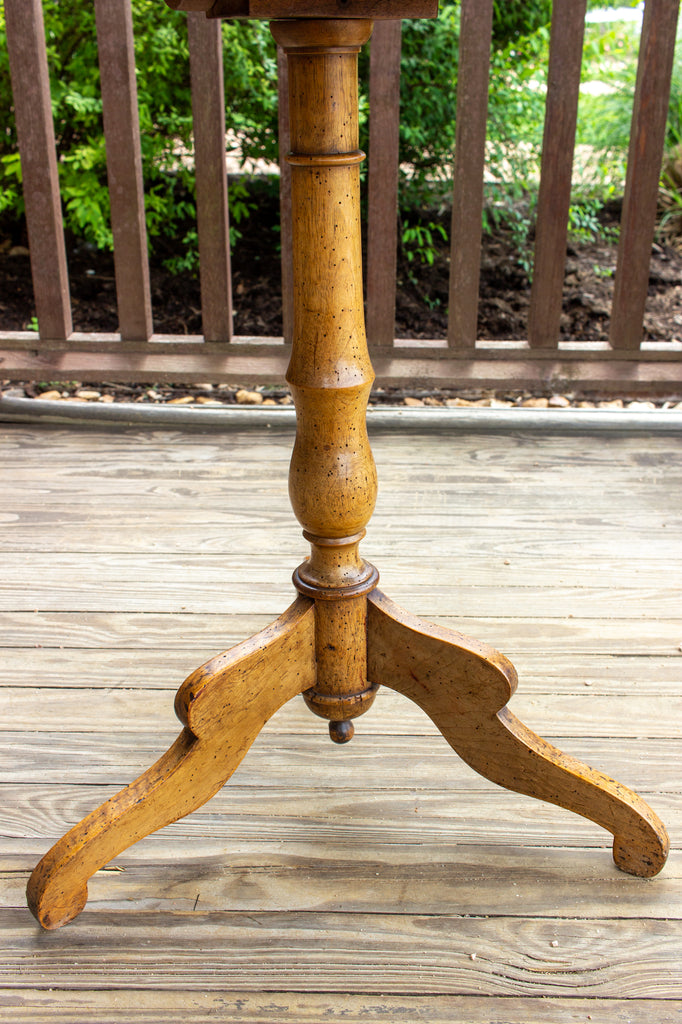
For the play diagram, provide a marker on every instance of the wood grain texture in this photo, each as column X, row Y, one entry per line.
column 467, row 203
column 332, row 481
column 430, row 877
column 554, row 198
column 643, row 372
column 647, row 135
column 392, row 824
column 116, row 47
column 223, row 706
column 35, row 130
column 285, row 223
column 464, row 687
column 345, row 817
column 213, row 221
column 566, row 715
column 378, row 754
column 158, row 1007
column 410, row 954
column 382, row 185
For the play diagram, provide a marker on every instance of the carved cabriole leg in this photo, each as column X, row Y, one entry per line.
column 332, row 479
column 223, row 705
column 463, row 686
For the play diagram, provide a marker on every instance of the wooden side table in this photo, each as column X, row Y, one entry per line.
column 341, row 638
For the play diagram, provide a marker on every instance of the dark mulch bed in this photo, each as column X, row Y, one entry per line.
column 422, row 290
column 422, row 297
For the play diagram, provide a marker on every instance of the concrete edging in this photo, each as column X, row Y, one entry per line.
column 227, row 418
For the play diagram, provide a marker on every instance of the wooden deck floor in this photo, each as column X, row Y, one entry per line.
column 383, row 880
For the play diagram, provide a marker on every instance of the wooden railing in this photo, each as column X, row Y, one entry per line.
column 136, row 353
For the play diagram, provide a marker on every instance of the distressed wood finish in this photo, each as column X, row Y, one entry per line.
column 163, row 1007
column 223, row 705
column 213, row 223
column 332, row 478
column 464, row 687
column 35, row 129
column 341, row 639
column 124, row 167
column 554, row 199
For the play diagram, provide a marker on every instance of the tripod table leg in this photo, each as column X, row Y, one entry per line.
column 463, row 686
column 223, row 705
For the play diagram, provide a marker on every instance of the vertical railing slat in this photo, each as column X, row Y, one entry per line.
column 647, row 137
column 554, row 199
column 35, row 129
column 124, row 167
column 382, row 198
column 467, row 205
column 213, row 225
column 285, row 218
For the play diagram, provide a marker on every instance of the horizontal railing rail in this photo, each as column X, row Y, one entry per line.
column 135, row 352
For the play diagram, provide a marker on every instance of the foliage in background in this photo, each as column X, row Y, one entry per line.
column 162, row 59
column 427, row 130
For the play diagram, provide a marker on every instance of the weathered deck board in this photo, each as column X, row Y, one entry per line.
column 142, row 1007
column 460, row 879
column 66, row 710
column 118, row 757
column 181, row 630
column 327, row 952
column 329, row 880
column 562, row 673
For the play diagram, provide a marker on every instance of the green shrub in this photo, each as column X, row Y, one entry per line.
column 427, row 127
column 162, row 59
column 517, row 20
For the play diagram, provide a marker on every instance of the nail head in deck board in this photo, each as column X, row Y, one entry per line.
column 208, row 113
column 647, row 136
column 554, row 199
column 467, row 203
column 124, row 167
column 35, row 129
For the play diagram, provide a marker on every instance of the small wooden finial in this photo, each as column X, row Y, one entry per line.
column 341, row 732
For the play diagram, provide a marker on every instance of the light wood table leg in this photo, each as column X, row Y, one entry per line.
column 464, row 686
column 223, row 705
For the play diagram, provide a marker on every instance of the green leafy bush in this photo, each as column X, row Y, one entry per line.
column 427, row 128
column 162, row 59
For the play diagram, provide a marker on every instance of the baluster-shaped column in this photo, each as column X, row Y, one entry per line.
column 332, row 480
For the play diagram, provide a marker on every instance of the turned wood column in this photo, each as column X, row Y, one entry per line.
column 332, row 479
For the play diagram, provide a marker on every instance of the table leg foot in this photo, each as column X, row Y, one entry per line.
column 463, row 686
column 223, row 705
